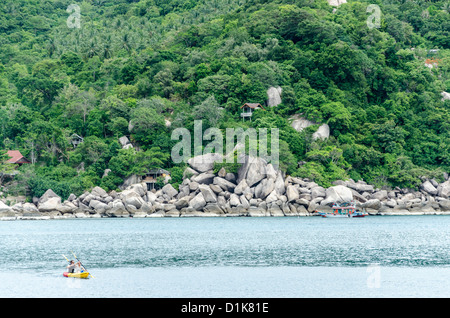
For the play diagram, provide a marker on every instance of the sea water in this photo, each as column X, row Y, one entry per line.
column 239, row 257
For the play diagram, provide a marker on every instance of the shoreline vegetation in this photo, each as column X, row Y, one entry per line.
column 256, row 190
column 95, row 94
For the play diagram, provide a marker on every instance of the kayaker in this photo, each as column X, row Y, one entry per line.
column 71, row 267
column 79, row 268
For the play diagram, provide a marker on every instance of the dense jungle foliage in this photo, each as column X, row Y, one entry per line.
column 134, row 66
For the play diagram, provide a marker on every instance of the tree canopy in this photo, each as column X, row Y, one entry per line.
column 143, row 68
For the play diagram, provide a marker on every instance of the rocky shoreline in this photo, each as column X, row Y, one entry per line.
column 256, row 190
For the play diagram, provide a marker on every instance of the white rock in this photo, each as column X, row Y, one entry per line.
column 337, row 193
column 224, row 184
column 253, row 170
column 241, row 187
column 264, row 188
column 97, row 191
column 428, row 187
column 124, row 141
column 208, row 195
column 299, row 123
column 169, row 190
column 205, row 162
column 4, row 208
column 198, row 202
column 292, row 193
column 274, row 96
column 49, row 205
column 279, row 184
column 444, row 189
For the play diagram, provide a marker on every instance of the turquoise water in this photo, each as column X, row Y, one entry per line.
column 389, row 256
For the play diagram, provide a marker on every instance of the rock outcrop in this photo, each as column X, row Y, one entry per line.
column 257, row 189
column 299, row 123
column 274, row 96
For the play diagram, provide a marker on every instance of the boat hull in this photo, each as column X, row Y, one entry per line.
column 76, row 275
column 332, row 215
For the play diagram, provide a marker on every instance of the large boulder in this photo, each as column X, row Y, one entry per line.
column 198, row 202
column 116, row 209
column 224, row 184
column 131, row 197
column 444, row 205
column 52, row 204
column 253, row 170
column 292, row 193
column 337, row 193
column 299, row 123
column 66, row 207
column 323, row 132
column 208, row 194
column 169, row 190
column 124, row 141
column 205, row 162
column 444, row 189
column 205, row 178
column 264, row 188
column 274, row 96
column 240, row 188
column 271, row 173
column 139, row 188
column 380, row 195
column 6, row 214
column 428, row 187
column 360, row 186
column 317, row 192
column 29, row 208
column 213, row 209
column 98, row 206
column 4, row 208
column 272, row 197
column 234, row 200
column 97, row 191
column 48, row 195
column 373, row 204
column 336, row 3
column 182, row 203
column 279, row 184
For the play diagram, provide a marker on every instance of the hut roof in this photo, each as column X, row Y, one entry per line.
column 253, row 105
column 158, row 171
column 16, row 157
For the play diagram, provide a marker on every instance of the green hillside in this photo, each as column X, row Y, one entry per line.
column 133, row 66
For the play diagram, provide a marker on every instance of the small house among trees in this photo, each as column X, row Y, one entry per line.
column 75, row 140
column 247, row 109
column 17, row 158
column 151, row 177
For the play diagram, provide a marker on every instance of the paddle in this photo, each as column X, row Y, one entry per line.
column 82, row 264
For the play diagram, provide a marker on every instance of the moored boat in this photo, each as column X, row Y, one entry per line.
column 343, row 210
column 76, row 275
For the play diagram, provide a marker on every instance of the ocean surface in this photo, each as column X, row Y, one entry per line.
column 292, row 257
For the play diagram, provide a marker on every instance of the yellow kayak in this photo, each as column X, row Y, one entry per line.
column 76, row 275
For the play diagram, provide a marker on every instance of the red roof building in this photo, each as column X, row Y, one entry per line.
column 17, row 157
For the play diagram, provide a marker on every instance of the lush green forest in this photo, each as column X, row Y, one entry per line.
column 133, row 66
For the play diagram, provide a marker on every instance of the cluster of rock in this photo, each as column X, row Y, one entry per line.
column 431, row 198
column 257, row 189
column 299, row 123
